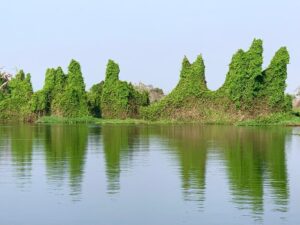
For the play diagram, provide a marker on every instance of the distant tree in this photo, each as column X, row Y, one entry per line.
column 244, row 79
column 20, row 88
column 16, row 102
column 119, row 98
column 155, row 94
column 47, row 100
column 73, row 102
column 275, row 80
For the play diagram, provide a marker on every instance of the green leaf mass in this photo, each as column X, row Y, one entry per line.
column 249, row 91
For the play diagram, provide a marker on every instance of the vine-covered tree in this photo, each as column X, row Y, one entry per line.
column 275, row 81
column 119, row 98
column 244, row 79
column 248, row 91
column 192, row 78
column 192, row 85
column 73, row 102
column 16, row 101
column 94, row 99
column 47, row 100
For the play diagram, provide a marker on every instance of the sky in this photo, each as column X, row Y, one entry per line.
column 148, row 39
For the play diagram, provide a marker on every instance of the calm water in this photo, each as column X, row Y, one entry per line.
column 139, row 175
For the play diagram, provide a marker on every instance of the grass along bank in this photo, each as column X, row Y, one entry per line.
column 93, row 120
column 277, row 119
column 281, row 119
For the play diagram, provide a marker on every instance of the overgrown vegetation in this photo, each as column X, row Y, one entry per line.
column 248, row 91
column 249, row 94
column 286, row 119
column 192, row 84
column 119, row 98
column 94, row 99
column 244, row 80
column 73, row 102
column 15, row 99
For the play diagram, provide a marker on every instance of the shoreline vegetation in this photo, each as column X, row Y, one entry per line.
column 272, row 120
column 250, row 96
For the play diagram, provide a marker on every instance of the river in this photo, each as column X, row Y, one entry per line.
column 148, row 174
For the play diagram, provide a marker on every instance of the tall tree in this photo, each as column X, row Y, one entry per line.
column 119, row 98
column 74, row 100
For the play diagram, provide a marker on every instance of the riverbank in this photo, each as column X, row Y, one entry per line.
column 93, row 120
column 286, row 119
column 280, row 119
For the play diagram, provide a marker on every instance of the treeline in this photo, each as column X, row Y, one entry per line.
column 64, row 95
column 249, row 91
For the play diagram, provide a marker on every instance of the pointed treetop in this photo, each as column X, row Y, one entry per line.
column 20, row 75
column 256, row 44
column 59, row 70
column 198, row 68
column 185, row 62
column 185, row 67
column 74, row 66
column 199, row 62
column 282, row 56
column 199, row 59
column 112, row 71
column 28, row 77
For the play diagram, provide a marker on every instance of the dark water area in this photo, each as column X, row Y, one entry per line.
column 149, row 174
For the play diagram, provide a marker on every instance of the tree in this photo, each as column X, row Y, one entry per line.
column 275, row 80
column 73, row 102
column 119, row 98
column 16, row 102
column 244, row 79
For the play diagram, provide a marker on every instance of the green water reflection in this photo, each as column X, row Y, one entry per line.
column 65, row 150
column 254, row 159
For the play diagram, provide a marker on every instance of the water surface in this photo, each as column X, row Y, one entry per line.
column 149, row 174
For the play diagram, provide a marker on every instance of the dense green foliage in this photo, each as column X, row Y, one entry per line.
column 192, row 84
column 14, row 103
column 47, row 100
column 249, row 92
column 94, row 99
column 73, row 102
column 62, row 95
column 119, row 98
column 244, row 80
column 275, row 77
column 192, row 79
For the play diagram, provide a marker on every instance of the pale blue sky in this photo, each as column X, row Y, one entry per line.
column 147, row 38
